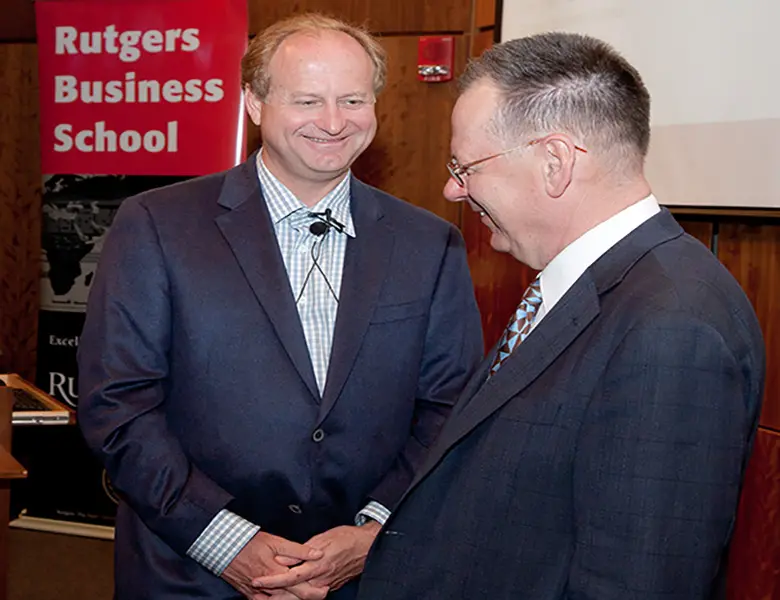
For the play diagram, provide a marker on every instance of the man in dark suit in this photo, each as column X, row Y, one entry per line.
column 598, row 452
column 268, row 352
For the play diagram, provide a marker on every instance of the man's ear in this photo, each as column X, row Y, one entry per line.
column 559, row 157
column 253, row 105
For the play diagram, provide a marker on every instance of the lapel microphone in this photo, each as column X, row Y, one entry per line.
column 324, row 222
column 319, row 228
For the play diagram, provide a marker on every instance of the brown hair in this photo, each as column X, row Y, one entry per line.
column 254, row 64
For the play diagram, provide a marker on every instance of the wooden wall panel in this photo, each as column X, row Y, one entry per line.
column 752, row 253
column 20, row 207
column 484, row 13
column 754, row 563
column 409, row 154
column 392, row 16
column 17, row 23
column 385, row 16
column 701, row 230
column 481, row 41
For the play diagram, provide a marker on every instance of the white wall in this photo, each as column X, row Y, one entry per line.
column 712, row 70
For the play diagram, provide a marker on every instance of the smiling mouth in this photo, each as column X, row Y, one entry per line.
column 477, row 207
column 325, row 140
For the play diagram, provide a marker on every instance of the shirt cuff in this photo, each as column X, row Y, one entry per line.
column 373, row 510
column 221, row 541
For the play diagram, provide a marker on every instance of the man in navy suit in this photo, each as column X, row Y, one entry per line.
column 598, row 452
column 269, row 352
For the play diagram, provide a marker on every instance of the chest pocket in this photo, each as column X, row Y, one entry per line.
column 388, row 313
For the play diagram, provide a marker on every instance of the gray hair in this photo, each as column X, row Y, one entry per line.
column 567, row 83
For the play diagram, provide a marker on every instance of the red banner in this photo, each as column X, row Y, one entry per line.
column 139, row 87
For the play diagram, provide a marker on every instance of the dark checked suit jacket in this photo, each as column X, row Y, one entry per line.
column 603, row 461
column 197, row 390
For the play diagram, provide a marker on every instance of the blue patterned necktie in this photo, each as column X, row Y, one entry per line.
column 519, row 324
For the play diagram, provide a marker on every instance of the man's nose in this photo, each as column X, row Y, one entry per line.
column 453, row 191
column 332, row 120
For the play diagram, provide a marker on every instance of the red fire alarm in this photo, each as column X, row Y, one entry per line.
column 435, row 58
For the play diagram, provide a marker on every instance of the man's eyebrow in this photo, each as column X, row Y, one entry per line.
column 356, row 95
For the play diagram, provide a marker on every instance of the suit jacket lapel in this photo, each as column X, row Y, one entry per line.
column 365, row 268
column 248, row 230
column 530, row 359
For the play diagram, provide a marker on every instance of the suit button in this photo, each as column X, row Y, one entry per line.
column 294, row 508
column 318, row 435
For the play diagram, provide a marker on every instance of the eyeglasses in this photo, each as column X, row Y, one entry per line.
column 459, row 171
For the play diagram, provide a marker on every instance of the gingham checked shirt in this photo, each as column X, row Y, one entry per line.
column 228, row 533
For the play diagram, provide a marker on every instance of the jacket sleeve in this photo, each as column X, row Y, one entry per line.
column 453, row 349
column 123, row 370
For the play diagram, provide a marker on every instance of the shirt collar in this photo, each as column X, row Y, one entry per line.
column 563, row 270
column 282, row 203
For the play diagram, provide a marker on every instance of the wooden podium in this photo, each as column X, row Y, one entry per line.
column 9, row 469
column 53, row 411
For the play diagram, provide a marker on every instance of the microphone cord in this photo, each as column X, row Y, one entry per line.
column 315, row 254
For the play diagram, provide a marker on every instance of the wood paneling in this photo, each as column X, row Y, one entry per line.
column 754, row 563
column 484, row 13
column 752, row 253
column 397, row 16
column 9, row 469
column 17, row 23
column 409, row 155
column 385, row 16
column 481, row 41
column 20, row 208
column 499, row 279
column 701, row 230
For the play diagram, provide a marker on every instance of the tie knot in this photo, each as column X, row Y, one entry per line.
column 532, row 297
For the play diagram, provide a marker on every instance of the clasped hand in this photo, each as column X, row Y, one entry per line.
column 270, row 566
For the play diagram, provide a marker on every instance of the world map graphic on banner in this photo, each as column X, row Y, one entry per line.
column 77, row 213
column 74, row 227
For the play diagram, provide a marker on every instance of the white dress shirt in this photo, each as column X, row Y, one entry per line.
column 567, row 267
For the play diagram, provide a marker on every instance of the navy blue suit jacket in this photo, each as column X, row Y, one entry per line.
column 603, row 461
column 196, row 387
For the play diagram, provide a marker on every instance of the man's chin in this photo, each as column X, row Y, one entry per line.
column 333, row 163
column 498, row 242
